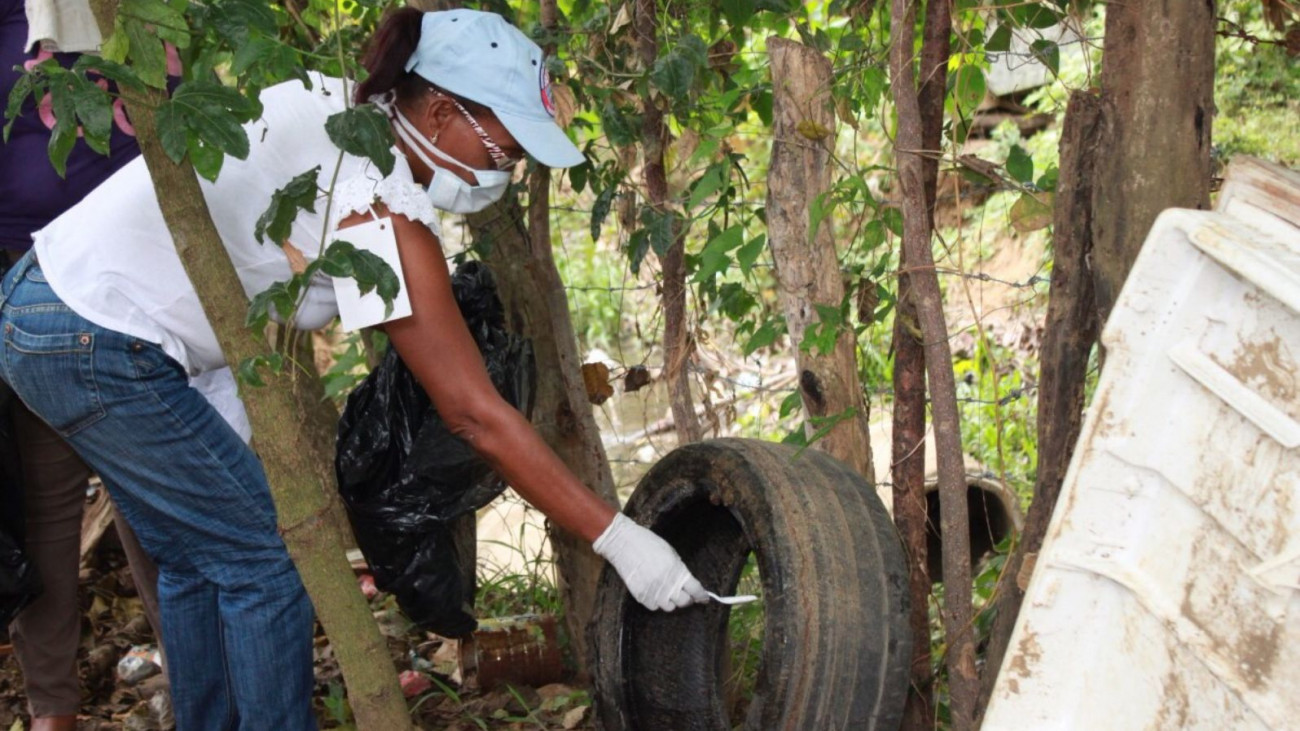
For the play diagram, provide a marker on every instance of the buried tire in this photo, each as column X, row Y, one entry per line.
column 836, row 644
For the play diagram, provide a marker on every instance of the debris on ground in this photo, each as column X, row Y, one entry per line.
column 124, row 690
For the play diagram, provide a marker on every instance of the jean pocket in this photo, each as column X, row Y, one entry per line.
column 149, row 359
column 55, row 376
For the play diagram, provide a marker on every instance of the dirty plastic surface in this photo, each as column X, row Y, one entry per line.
column 403, row 475
column 1167, row 591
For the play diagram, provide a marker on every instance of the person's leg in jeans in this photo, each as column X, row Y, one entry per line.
column 236, row 619
column 46, row 634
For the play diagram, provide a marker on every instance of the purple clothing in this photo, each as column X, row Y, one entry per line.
column 31, row 193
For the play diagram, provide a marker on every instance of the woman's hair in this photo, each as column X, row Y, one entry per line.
column 385, row 59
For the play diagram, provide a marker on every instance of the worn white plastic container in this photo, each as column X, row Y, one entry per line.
column 1167, row 592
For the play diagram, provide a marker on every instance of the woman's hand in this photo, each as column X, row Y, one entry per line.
column 651, row 569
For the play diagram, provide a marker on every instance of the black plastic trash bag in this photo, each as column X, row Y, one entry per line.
column 19, row 581
column 403, row 475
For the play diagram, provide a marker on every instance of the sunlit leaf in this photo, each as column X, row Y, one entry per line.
column 968, row 88
column 716, row 256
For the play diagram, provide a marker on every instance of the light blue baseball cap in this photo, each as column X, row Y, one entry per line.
column 479, row 56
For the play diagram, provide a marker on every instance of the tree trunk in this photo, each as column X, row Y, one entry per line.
column 535, row 305
column 1068, row 336
column 677, row 341
column 1157, row 77
column 962, row 681
column 908, row 458
column 296, row 453
column 1141, row 147
column 808, row 272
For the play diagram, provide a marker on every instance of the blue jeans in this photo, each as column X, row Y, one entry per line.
column 236, row 620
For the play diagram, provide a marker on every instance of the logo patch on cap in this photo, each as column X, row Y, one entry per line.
column 544, row 85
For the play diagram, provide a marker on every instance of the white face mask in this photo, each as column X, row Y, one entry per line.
column 447, row 190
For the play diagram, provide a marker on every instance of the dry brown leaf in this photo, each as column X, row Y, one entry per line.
column 297, row 262
column 574, row 717
column 595, row 377
column 566, row 104
column 621, row 20
column 1031, row 213
column 637, row 378
column 812, row 129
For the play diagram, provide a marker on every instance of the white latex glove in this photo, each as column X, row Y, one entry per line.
column 651, row 569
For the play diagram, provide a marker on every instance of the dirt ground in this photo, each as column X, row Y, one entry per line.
column 112, row 624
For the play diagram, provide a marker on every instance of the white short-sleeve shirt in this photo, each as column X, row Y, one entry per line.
column 113, row 261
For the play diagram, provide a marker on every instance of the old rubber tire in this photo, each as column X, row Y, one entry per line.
column 836, row 644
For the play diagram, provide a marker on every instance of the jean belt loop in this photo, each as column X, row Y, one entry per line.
column 16, row 274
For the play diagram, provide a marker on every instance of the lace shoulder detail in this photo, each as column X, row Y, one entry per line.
column 398, row 191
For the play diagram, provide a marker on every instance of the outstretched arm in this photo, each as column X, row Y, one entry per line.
column 438, row 348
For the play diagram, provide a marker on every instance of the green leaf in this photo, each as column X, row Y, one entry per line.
column 1034, row 15
column 764, row 336
column 214, row 114
column 278, row 295
column 147, row 55
column 659, row 227
column 600, row 210
column 873, row 234
column 255, row 51
column 673, row 75
column 205, row 158
column 64, row 135
column 874, row 83
column 24, row 87
column 617, row 127
column 716, row 257
column 247, row 372
column 578, row 176
column 738, row 12
column 234, row 19
column 1047, row 181
column 118, row 73
column 734, row 301
column 116, row 47
column 299, row 194
column 968, row 87
column 750, row 252
column 364, row 131
column 822, row 335
column 893, row 219
column 157, row 18
column 791, row 403
column 707, row 184
column 95, row 112
column 1048, row 53
column 249, row 369
column 373, row 274
column 172, row 132
column 818, row 210
column 637, row 246
column 1000, row 41
column 1020, row 165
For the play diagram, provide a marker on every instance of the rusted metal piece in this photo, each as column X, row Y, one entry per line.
column 521, row 650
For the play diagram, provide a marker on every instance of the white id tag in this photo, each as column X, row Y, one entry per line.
column 357, row 310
